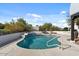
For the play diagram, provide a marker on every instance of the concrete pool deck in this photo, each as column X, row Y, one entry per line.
column 13, row 50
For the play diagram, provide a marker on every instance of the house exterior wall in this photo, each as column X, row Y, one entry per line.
column 74, row 8
column 36, row 28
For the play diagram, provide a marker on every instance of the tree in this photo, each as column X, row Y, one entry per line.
column 20, row 26
column 29, row 27
column 10, row 27
column 41, row 28
column 69, row 21
column 77, row 21
column 21, row 20
column 49, row 27
column 65, row 29
column 55, row 28
column 23, row 25
column 1, row 26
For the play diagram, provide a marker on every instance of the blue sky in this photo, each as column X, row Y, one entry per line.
column 36, row 13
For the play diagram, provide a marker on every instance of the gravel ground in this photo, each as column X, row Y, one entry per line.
column 5, row 39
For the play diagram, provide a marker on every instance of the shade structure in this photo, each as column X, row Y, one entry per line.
column 74, row 12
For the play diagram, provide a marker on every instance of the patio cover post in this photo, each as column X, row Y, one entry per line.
column 72, row 28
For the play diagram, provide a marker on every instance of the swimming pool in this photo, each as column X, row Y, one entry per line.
column 33, row 41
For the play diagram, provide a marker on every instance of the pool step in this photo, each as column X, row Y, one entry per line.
column 50, row 41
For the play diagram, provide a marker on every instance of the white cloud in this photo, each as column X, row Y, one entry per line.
column 63, row 12
column 17, row 17
column 58, row 20
column 33, row 18
column 60, row 23
column 34, row 15
column 36, row 19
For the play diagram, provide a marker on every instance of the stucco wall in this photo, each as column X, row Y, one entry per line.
column 74, row 8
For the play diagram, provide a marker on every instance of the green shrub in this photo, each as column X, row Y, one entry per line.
column 3, row 31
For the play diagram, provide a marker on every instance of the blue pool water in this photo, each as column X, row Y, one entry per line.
column 33, row 41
